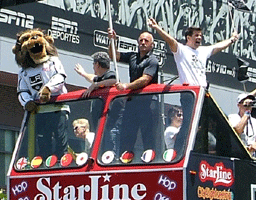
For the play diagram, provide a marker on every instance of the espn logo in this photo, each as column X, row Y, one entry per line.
column 17, row 18
column 64, row 30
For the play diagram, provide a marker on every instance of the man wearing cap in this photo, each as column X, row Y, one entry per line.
column 243, row 123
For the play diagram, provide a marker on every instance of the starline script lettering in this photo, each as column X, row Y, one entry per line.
column 64, row 30
column 92, row 191
column 218, row 174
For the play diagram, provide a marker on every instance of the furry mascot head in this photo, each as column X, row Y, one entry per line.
column 33, row 47
column 35, row 51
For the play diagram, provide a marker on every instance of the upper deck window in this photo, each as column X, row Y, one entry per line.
column 146, row 129
column 59, row 135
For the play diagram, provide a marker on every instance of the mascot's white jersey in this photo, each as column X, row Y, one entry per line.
column 50, row 73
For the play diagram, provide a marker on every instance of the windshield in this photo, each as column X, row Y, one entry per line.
column 59, row 135
column 146, row 129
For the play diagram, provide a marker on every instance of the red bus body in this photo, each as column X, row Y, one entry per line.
column 198, row 173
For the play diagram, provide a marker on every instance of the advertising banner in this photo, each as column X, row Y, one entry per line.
column 81, row 27
column 210, row 178
column 140, row 185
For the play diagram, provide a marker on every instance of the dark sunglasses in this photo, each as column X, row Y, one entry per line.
column 179, row 115
column 76, row 127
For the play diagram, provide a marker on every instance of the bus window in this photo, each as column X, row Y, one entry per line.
column 135, row 131
column 59, row 135
column 215, row 136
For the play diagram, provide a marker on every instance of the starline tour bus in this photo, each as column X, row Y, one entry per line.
column 206, row 160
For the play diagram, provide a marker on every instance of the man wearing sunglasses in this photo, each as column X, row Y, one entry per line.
column 243, row 122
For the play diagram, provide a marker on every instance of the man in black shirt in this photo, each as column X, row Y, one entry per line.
column 102, row 76
column 143, row 70
column 143, row 65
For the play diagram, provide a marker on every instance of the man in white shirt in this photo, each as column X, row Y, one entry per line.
column 191, row 61
column 191, row 58
column 243, row 123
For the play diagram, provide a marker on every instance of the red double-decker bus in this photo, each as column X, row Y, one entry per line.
column 129, row 155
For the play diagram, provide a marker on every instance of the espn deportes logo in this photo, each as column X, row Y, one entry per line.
column 17, row 18
column 124, row 44
column 64, row 30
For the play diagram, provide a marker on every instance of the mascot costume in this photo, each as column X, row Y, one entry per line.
column 41, row 76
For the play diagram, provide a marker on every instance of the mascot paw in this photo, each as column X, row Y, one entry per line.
column 31, row 106
column 45, row 95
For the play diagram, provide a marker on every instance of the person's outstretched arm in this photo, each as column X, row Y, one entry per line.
column 225, row 43
column 167, row 37
column 80, row 70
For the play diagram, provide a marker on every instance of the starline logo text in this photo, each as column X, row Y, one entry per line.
column 93, row 190
column 218, row 174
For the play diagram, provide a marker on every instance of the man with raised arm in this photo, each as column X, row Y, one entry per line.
column 137, row 114
column 143, row 65
column 243, row 122
column 102, row 77
column 191, row 58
